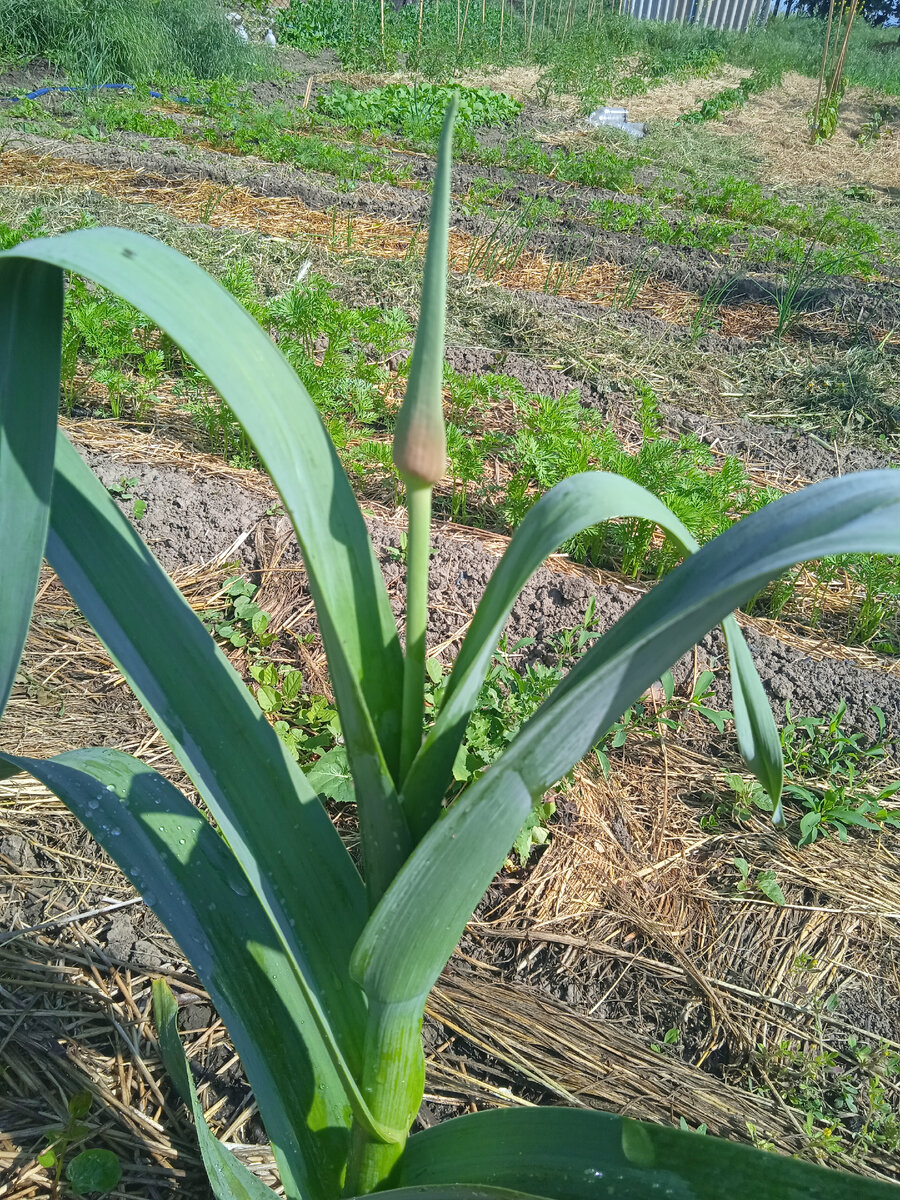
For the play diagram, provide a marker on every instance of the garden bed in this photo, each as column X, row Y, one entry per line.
column 631, row 963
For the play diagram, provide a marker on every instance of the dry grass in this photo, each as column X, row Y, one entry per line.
column 777, row 122
column 669, row 100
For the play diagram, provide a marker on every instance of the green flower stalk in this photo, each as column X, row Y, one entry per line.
column 420, row 447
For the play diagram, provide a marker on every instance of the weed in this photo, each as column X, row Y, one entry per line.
column 830, row 772
column 763, row 881
column 124, row 490
column 242, row 623
column 845, row 1095
column 90, row 1170
column 654, row 717
column 670, row 1040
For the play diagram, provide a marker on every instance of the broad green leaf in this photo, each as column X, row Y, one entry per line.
column 330, row 776
column 431, row 899
column 31, row 302
column 189, row 877
column 565, row 510
column 278, row 831
column 228, row 1178
column 248, row 370
column 454, row 1191
column 578, row 1154
column 93, row 1171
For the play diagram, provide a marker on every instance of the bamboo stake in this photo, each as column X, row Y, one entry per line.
column 482, row 11
column 463, row 31
column 382, row 30
column 419, row 42
column 839, row 65
column 822, row 68
column 502, row 12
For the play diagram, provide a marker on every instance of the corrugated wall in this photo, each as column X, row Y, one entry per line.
column 718, row 14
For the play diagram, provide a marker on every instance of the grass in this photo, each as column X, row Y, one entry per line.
column 126, row 41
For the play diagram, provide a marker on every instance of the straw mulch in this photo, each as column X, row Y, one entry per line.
column 778, row 122
column 670, row 99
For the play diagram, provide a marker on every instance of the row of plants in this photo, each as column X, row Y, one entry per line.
column 584, row 47
column 342, row 352
column 415, row 110
column 732, row 216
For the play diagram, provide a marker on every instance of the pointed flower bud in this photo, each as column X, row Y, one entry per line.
column 420, row 443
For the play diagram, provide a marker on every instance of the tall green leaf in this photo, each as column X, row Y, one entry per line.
column 354, row 613
column 229, row 1178
column 578, row 1154
column 287, row 847
column 31, row 303
column 189, row 877
column 433, row 896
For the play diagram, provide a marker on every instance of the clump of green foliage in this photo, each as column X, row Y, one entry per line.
column 847, row 1095
column 126, row 41
column 415, row 109
column 835, row 779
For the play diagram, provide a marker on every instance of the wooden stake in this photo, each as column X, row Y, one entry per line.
column 502, row 12
column 822, row 68
column 463, row 30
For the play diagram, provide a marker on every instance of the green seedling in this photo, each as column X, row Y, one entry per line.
column 124, row 490
column 765, row 882
column 89, row 1171
column 670, row 1040
column 242, row 624
column 321, row 967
